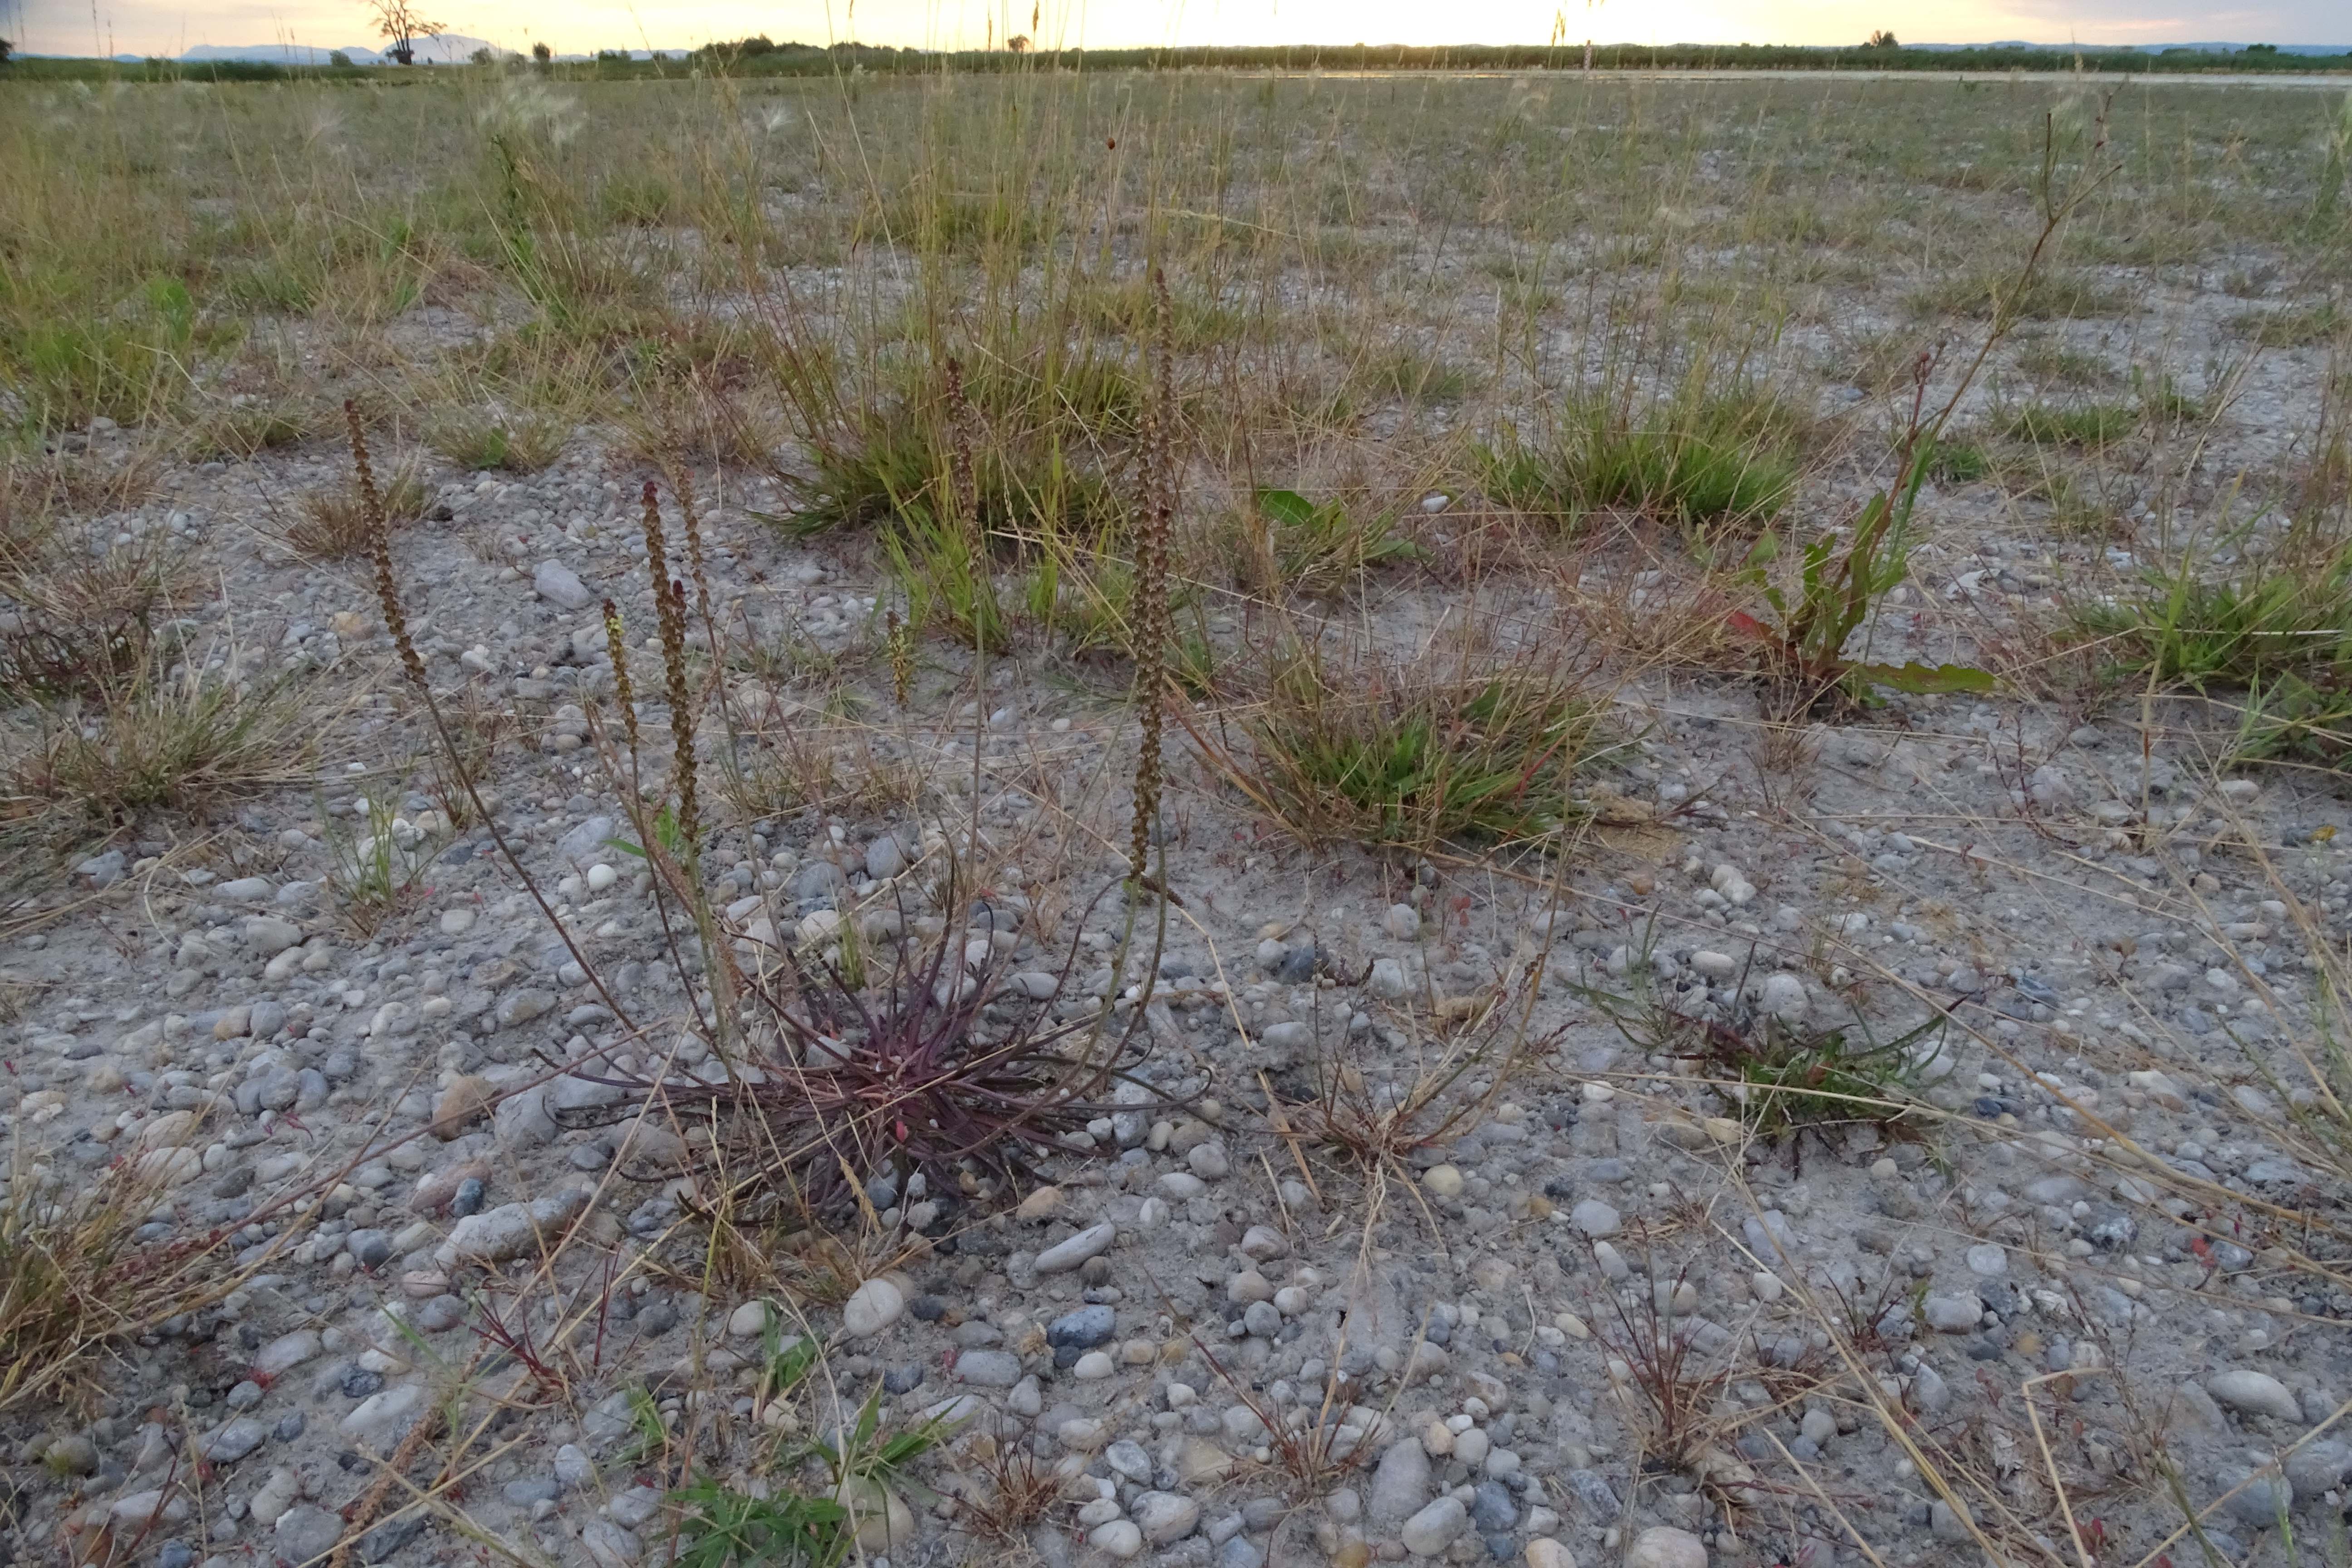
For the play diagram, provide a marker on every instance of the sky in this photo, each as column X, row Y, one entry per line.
column 171, row 26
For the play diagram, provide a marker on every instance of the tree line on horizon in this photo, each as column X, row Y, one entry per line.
column 758, row 56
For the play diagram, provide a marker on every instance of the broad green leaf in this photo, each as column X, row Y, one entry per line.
column 1921, row 679
column 1288, row 507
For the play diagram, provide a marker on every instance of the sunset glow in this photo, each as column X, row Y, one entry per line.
column 148, row 26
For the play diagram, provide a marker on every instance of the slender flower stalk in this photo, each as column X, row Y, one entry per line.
column 669, row 611
column 1151, row 618
column 898, row 639
column 379, row 536
column 681, row 480
column 616, row 645
column 962, row 479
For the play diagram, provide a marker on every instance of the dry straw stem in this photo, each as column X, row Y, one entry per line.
column 1152, row 583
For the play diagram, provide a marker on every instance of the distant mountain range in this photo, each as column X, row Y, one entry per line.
column 447, row 48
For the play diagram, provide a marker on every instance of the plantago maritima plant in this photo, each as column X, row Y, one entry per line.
column 1151, row 584
column 669, row 614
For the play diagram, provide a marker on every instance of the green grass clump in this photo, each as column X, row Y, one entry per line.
column 2292, row 326
column 2290, row 719
column 1347, row 747
column 1048, row 442
column 76, row 1281
column 1293, row 544
column 1789, row 1078
column 1781, row 1079
column 1408, row 375
column 334, row 523
column 518, row 444
column 1958, row 463
column 2055, row 294
column 2274, row 620
column 171, row 738
column 1717, row 461
column 2073, row 424
column 128, row 359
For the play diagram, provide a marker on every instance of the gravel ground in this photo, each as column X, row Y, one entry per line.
column 2105, row 924
column 1589, row 1309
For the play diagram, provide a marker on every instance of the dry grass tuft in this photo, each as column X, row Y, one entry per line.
column 75, row 1276
column 164, row 734
column 85, row 616
column 334, row 522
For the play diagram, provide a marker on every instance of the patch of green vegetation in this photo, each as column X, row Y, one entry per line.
column 1781, row 1079
column 1958, row 463
column 127, row 360
column 2292, row 326
column 1044, row 438
column 790, row 1528
column 2289, row 719
column 2073, row 424
column 1789, row 1078
column 1414, row 377
column 1326, row 547
column 1352, row 748
column 1716, row 460
column 2053, row 294
column 2272, row 620
column 519, row 444
column 2047, row 360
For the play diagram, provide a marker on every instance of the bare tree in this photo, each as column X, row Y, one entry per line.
column 402, row 23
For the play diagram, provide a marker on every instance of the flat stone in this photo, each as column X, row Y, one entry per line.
column 1662, row 1546
column 235, row 1440
column 1783, row 997
column 1432, row 1529
column 1165, row 1517
column 287, row 1351
column 560, row 585
column 511, row 1229
column 383, row 1419
column 1082, row 1330
column 1401, row 1485
column 871, row 1308
column 1988, row 1260
column 1120, row 1537
column 2254, row 1394
column 1954, row 1312
column 522, row 1004
column 1064, row 1255
column 1594, row 1218
column 987, row 1369
column 269, row 936
column 306, row 1532
column 608, row 1545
